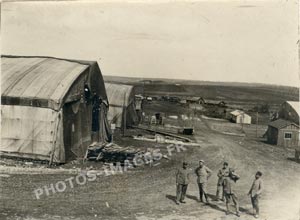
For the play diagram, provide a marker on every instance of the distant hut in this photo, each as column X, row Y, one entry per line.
column 222, row 104
column 283, row 133
column 122, row 108
column 52, row 109
column 240, row 117
column 216, row 103
column 195, row 100
column 182, row 101
column 174, row 99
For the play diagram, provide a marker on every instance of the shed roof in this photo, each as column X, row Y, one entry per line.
column 118, row 93
column 281, row 123
column 237, row 112
column 45, row 79
column 215, row 102
column 194, row 98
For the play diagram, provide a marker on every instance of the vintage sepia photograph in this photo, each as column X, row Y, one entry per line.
column 150, row 110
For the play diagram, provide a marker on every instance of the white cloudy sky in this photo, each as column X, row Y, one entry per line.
column 243, row 41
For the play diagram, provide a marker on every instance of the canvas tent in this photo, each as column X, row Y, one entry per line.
column 121, row 101
column 290, row 110
column 51, row 107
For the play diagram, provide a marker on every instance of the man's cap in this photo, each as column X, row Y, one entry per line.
column 185, row 163
column 201, row 161
column 225, row 163
column 259, row 173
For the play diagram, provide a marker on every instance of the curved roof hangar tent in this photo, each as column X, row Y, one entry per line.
column 45, row 114
column 121, row 102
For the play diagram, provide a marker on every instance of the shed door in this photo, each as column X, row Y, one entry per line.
column 240, row 118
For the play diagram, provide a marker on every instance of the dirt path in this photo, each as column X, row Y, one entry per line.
column 281, row 198
column 148, row 192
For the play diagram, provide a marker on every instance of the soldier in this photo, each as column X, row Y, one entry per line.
column 255, row 192
column 221, row 175
column 182, row 181
column 228, row 184
column 203, row 173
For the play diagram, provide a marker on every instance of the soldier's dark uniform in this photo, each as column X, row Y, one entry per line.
column 224, row 172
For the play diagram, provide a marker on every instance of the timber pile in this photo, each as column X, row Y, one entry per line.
column 164, row 140
column 112, row 153
column 163, row 131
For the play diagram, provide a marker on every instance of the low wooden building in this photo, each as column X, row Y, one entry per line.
column 216, row 103
column 195, row 99
column 240, row 117
column 283, row 133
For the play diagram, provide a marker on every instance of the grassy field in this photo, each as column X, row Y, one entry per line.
column 233, row 92
column 247, row 97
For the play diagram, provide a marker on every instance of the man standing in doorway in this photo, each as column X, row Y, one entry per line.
column 203, row 173
column 182, row 181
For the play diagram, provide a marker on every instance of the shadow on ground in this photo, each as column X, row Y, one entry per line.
column 172, row 198
column 293, row 159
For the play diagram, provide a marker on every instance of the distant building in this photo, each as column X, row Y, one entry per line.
column 182, row 101
column 240, row 117
column 222, row 103
column 290, row 111
column 283, row 133
column 149, row 98
column 174, row 99
column 195, row 99
column 146, row 81
column 216, row 103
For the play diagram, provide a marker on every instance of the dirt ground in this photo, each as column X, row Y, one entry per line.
column 147, row 193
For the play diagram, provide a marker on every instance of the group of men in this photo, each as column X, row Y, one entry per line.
column 227, row 179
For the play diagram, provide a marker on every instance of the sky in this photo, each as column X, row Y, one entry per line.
column 235, row 41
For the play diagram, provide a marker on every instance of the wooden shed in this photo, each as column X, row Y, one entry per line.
column 283, row 133
column 195, row 100
column 240, row 117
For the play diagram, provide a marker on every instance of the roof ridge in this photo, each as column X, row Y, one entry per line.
column 280, row 123
column 49, row 57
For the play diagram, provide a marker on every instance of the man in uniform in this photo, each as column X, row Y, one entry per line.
column 229, row 184
column 255, row 192
column 224, row 172
column 203, row 173
column 182, row 181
